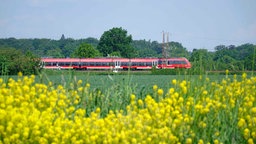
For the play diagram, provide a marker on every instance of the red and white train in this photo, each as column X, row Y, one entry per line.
column 115, row 63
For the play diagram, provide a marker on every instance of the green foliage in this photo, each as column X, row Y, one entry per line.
column 145, row 48
column 13, row 61
column 115, row 54
column 116, row 40
column 177, row 50
column 233, row 58
column 86, row 50
column 154, row 49
column 47, row 47
column 201, row 61
column 155, row 71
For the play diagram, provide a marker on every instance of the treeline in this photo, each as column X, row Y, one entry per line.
column 65, row 48
column 233, row 58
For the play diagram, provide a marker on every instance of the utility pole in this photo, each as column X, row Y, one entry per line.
column 165, row 44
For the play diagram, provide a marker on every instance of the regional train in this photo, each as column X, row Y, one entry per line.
column 115, row 63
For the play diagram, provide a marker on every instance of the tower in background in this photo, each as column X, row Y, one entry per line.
column 165, row 45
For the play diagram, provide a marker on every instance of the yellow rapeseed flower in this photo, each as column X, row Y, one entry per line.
column 140, row 102
column 246, row 133
column 87, row 85
column 174, row 81
column 244, row 75
column 250, row 141
column 227, row 71
column 155, row 87
column 133, row 97
column 160, row 91
column 171, row 90
column 253, row 110
column 216, row 141
column 79, row 82
column 200, row 141
column 20, row 74
column 188, row 141
column 205, row 92
column 97, row 110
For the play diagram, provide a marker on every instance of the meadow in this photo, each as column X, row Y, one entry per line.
column 112, row 108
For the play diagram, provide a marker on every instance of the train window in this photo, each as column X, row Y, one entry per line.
column 75, row 63
column 176, row 62
column 98, row 64
column 183, row 62
column 144, row 64
column 170, row 62
column 64, row 64
column 85, row 64
column 104, row 64
column 91, row 64
column 137, row 64
column 47, row 63
column 134, row 64
column 125, row 64
column 52, row 64
column 161, row 62
column 61, row 64
column 107, row 64
column 149, row 64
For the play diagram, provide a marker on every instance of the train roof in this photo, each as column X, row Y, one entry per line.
column 107, row 59
column 60, row 59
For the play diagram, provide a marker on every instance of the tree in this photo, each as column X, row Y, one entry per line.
column 30, row 64
column 86, row 50
column 116, row 40
column 56, row 53
column 90, row 40
column 201, row 60
column 177, row 50
column 13, row 61
column 144, row 48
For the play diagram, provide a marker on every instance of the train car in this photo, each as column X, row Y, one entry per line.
column 100, row 63
column 140, row 64
column 60, row 63
column 115, row 63
column 172, row 63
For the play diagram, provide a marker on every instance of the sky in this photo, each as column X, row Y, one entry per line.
column 193, row 23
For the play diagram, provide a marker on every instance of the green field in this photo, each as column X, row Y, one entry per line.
column 140, row 82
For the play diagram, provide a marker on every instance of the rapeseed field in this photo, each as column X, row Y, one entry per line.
column 202, row 112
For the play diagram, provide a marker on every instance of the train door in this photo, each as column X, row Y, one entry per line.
column 154, row 63
column 117, row 64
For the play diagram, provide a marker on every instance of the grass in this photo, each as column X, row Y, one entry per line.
column 117, row 88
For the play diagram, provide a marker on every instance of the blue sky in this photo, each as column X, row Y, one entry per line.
column 195, row 24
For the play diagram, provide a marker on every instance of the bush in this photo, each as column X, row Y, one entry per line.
column 13, row 61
